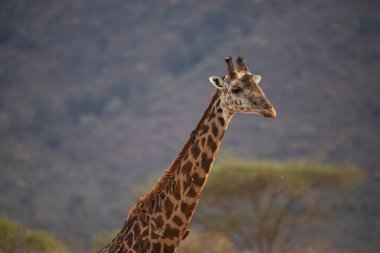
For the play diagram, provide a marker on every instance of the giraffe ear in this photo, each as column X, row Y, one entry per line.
column 216, row 81
column 257, row 78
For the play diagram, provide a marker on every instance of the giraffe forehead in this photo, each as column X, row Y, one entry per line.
column 243, row 79
column 247, row 78
column 247, row 82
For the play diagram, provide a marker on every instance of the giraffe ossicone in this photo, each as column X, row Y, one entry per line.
column 159, row 220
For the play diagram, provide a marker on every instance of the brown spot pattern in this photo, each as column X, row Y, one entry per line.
column 186, row 169
column 159, row 222
column 145, row 233
column 191, row 193
column 197, row 180
column 177, row 190
column 171, row 232
column 211, row 144
column 136, row 228
column 204, row 129
column 177, row 220
column 129, row 239
column 206, row 163
column 153, row 234
column 195, row 151
column 212, row 115
column 187, row 183
column 203, row 140
column 168, row 207
column 214, row 129
column 157, row 206
column 187, row 209
column 221, row 120
column 168, row 248
column 156, row 247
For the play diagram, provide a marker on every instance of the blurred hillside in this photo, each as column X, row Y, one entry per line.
column 96, row 95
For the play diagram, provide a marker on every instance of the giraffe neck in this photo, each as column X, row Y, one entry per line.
column 158, row 221
column 193, row 165
column 183, row 182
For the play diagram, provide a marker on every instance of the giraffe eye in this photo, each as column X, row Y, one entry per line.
column 236, row 90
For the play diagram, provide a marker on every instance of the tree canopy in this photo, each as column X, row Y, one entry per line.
column 257, row 202
column 16, row 239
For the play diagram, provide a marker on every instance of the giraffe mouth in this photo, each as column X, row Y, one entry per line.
column 271, row 113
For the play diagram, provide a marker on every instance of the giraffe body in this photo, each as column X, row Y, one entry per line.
column 159, row 219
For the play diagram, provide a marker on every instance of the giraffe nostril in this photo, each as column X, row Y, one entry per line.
column 268, row 105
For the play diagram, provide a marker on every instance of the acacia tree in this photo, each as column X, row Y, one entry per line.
column 15, row 238
column 257, row 203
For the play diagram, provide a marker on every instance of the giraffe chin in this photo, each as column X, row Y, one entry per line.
column 269, row 114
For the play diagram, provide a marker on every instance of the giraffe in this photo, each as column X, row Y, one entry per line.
column 158, row 221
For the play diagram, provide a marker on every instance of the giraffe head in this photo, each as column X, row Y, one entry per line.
column 240, row 90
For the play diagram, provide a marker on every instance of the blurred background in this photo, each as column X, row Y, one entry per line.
column 97, row 97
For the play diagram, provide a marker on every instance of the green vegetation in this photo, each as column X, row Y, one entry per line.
column 295, row 176
column 257, row 206
column 9, row 233
column 17, row 239
column 260, row 203
column 206, row 242
column 101, row 239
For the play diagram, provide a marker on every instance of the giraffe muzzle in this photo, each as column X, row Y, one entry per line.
column 270, row 112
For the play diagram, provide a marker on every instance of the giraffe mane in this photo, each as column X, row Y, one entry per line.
column 172, row 168
column 169, row 173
